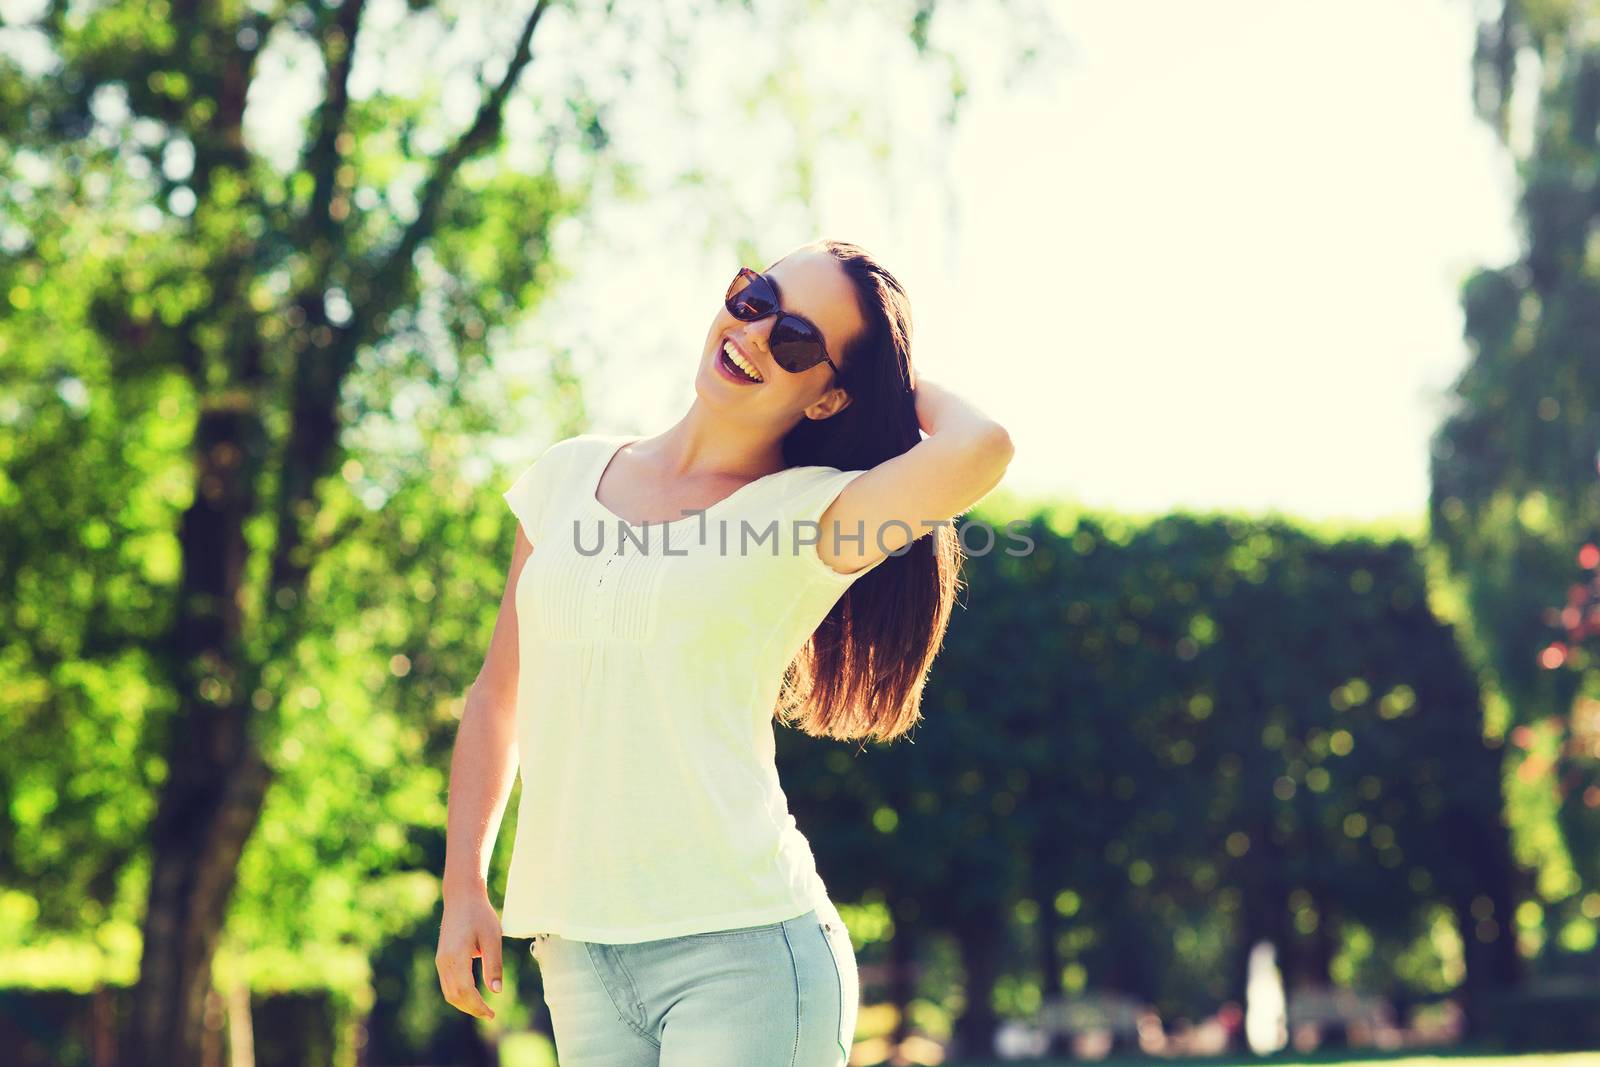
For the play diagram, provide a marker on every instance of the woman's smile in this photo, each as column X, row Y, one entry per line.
column 731, row 370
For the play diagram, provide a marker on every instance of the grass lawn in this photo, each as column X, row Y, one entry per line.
column 1394, row 1059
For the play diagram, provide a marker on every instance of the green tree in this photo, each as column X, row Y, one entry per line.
column 238, row 309
column 1514, row 493
column 1150, row 744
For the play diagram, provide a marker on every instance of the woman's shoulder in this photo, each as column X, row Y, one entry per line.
column 808, row 489
column 579, row 444
column 815, row 473
column 590, row 439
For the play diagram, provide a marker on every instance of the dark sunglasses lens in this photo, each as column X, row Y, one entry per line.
column 749, row 297
column 795, row 345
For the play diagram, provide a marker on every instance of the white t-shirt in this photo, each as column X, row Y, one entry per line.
column 650, row 661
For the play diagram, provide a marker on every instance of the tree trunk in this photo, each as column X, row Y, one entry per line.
column 213, row 797
column 1492, row 962
column 216, row 776
column 902, row 983
column 103, row 1036
column 1125, row 972
column 980, row 946
column 1317, row 970
column 1058, row 1044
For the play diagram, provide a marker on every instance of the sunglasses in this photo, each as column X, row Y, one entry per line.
column 796, row 344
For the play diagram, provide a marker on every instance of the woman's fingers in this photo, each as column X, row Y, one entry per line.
column 467, row 933
column 455, row 981
column 489, row 945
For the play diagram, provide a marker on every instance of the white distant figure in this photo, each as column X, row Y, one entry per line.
column 1266, row 1024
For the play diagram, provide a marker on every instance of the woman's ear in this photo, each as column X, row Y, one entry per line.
column 829, row 404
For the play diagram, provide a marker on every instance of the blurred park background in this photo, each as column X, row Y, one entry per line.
column 1284, row 739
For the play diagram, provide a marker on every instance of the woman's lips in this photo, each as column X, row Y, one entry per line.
column 729, row 371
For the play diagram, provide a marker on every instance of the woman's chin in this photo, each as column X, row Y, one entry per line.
column 710, row 386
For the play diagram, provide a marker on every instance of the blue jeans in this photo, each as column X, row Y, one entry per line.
column 784, row 994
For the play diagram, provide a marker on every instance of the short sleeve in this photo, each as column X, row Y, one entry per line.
column 527, row 495
column 804, row 504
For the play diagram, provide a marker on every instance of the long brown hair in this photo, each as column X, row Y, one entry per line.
column 861, row 674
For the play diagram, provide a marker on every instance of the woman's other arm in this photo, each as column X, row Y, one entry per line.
column 483, row 767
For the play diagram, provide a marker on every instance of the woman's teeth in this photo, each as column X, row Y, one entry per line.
column 740, row 362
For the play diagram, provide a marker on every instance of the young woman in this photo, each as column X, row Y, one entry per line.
column 784, row 550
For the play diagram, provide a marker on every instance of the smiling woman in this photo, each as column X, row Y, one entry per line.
column 656, row 865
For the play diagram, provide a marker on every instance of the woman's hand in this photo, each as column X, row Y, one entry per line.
column 922, row 395
column 470, row 929
column 939, row 407
column 963, row 457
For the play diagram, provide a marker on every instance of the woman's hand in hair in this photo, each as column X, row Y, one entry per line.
column 963, row 457
column 923, row 394
column 940, row 409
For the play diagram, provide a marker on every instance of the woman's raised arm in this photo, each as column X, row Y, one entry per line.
column 963, row 457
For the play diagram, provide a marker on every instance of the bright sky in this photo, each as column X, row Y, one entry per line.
column 1207, row 258
column 1263, row 212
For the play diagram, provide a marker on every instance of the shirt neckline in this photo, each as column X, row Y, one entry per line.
column 606, row 455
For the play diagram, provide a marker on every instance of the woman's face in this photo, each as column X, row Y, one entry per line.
column 813, row 285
